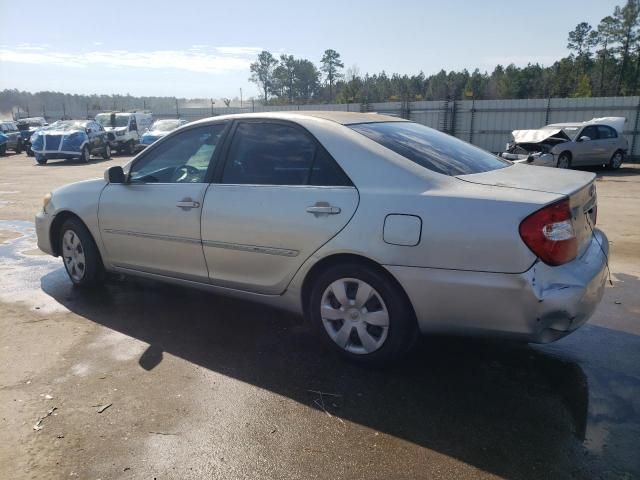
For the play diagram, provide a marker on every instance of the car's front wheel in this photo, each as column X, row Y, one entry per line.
column 19, row 148
column 564, row 161
column 80, row 254
column 616, row 160
column 107, row 152
column 362, row 313
column 41, row 159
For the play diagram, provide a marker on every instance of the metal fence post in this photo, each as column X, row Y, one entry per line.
column 548, row 112
column 473, row 115
column 453, row 118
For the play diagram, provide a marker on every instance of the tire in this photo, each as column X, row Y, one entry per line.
column 41, row 159
column 128, row 149
column 564, row 160
column 3, row 149
column 18, row 148
column 85, row 156
column 107, row 152
column 379, row 330
column 30, row 152
column 616, row 160
column 80, row 254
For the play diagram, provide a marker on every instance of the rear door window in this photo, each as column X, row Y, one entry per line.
column 605, row 132
column 271, row 153
column 591, row 132
column 430, row 148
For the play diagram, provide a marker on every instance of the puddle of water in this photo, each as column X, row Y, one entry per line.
column 21, row 271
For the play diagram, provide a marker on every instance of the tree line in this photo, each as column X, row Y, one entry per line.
column 603, row 61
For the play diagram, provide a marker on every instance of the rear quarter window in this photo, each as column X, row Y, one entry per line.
column 430, row 148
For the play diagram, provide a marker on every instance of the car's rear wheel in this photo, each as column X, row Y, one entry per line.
column 616, row 160
column 19, row 148
column 80, row 254
column 107, row 152
column 41, row 159
column 362, row 314
column 128, row 148
column 564, row 160
column 85, row 155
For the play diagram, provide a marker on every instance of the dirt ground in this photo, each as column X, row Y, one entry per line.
column 142, row 380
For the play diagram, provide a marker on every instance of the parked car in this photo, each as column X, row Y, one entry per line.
column 376, row 228
column 14, row 141
column 159, row 129
column 124, row 129
column 565, row 145
column 27, row 127
column 69, row 139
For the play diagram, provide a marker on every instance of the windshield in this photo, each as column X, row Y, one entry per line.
column 430, row 148
column 165, row 125
column 66, row 125
column 121, row 119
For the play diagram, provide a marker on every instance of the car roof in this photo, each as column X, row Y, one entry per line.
column 343, row 118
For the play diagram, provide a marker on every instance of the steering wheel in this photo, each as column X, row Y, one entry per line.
column 184, row 174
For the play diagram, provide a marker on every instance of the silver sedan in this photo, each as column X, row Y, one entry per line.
column 375, row 228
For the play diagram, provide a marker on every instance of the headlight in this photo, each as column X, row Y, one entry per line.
column 45, row 201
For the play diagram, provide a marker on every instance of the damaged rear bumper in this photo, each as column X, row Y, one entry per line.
column 540, row 305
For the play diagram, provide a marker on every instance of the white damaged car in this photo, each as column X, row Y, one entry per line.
column 564, row 145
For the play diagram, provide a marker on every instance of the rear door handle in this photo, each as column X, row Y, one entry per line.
column 323, row 208
column 187, row 203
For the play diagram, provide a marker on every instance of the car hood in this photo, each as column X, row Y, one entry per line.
column 539, row 179
column 539, row 135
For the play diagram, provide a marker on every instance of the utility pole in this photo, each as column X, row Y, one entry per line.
column 64, row 111
column 240, row 98
column 212, row 104
column 177, row 110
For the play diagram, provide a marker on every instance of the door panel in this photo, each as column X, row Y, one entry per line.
column 152, row 222
column 255, row 237
column 143, row 228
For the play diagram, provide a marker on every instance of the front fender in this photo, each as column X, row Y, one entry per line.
column 80, row 199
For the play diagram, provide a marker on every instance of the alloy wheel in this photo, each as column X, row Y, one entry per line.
column 73, row 255
column 563, row 161
column 354, row 315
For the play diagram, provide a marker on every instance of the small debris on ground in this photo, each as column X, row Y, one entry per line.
column 38, row 425
column 618, row 302
column 102, row 408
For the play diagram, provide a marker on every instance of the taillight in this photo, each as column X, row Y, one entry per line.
column 550, row 235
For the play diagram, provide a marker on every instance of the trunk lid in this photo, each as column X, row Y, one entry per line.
column 579, row 187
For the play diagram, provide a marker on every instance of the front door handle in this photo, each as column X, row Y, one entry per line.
column 323, row 208
column 187, row 203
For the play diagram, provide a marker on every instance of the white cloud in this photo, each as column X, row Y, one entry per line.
column 249, row 51
column 196, row 59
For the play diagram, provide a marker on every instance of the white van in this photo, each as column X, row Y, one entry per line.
column 124, row 129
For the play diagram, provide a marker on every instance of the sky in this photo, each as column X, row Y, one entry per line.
column 203, row 49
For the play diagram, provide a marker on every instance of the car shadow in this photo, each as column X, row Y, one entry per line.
column 64, row 162
column 627, row 170
column 501, row 407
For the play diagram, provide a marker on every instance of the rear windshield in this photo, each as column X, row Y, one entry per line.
column 430, row 148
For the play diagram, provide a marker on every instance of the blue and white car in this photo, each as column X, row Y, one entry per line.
column 159, row 129
column 67, row 139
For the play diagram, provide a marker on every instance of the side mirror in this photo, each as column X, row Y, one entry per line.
column 584, row 138
column 114, row 175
